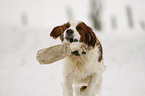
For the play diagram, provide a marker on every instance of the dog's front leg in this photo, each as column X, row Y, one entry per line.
column 67, row 87
column 91, row 85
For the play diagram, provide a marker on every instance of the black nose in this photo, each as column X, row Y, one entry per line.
column 69, row 32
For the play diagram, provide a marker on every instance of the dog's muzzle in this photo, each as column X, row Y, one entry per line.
column 69, row 36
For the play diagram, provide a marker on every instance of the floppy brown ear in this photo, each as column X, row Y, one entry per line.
column 87, row 35
column 56, row 32
column 90, row 37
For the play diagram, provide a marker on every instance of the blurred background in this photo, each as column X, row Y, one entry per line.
column 24, row 29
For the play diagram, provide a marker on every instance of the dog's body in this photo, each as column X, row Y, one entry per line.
column 84, row 67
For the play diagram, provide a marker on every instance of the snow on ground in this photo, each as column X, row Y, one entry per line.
column 22, row 75
column 125, row 56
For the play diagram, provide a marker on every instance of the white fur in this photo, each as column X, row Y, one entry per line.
column 82, row 70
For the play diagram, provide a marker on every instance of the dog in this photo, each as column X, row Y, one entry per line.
column 83, row 69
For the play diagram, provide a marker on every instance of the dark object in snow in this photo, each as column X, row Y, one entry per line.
column 53, row 54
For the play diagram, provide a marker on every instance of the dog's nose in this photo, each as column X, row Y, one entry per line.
column 69, row 32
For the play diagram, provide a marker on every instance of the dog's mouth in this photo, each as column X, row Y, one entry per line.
column 71, row 39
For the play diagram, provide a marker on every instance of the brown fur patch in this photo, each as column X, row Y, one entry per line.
column 87, row 35
column 100, row 51
column 58, row 30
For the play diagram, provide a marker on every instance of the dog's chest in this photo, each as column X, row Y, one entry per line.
column 82, row 68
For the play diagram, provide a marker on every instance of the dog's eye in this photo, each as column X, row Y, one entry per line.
column 79, row 28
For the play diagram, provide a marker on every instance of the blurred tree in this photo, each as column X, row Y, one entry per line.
column 24, row 19
column 129, row 16
column 113, row 22
column 69, row 13
column 142, row 24
column 96, row 13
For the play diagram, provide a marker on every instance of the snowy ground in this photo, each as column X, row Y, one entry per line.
column 22, row 75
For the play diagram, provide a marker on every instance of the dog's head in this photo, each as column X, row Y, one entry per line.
column 74, row 31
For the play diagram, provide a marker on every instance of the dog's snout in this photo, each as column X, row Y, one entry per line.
column 69, row 32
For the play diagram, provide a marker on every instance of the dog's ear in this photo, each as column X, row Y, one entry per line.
column 90, row 37
column 58, row 30
column 87, row 35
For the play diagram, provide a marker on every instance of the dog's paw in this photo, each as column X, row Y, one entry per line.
column 83, row 49
column 76, row 53
column 79, row 49
column 75, row 46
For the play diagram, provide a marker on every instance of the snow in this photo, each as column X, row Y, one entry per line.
column 22, row 75
column 124, row 54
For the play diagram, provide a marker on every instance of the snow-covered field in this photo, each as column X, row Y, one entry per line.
column 22, row 75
